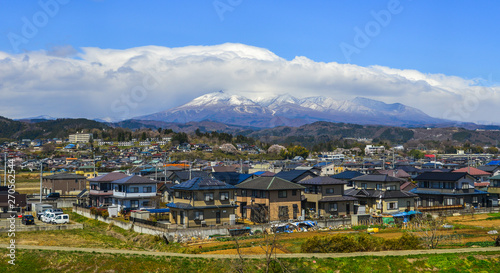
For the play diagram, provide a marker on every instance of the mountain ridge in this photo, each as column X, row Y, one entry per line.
column 287, row 110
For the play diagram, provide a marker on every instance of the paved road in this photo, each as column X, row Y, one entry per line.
column 292, row 255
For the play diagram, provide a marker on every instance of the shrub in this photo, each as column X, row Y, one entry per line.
column 345, row 243
column 406, row 242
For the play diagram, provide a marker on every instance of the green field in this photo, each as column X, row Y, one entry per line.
column 60, row 261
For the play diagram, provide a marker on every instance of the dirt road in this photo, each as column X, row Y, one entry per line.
column 292, row 255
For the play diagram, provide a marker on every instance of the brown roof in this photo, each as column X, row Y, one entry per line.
column 472, row 171
column 108, row 177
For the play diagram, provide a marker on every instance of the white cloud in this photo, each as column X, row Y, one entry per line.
column 116, row 84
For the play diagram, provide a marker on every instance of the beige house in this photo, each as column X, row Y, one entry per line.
column 64, row 183
column 264, row 199
column 324, row 196
column 381, row 193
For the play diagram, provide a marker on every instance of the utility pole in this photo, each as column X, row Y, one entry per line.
column 41, row 177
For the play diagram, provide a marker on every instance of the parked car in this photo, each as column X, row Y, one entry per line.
column 47, row 216
column 53, row 195
column 60, row 219
column 28, row 220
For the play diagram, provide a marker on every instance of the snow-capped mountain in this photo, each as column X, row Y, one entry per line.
column 290, row 111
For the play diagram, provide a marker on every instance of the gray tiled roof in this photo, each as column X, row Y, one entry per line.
column 337, row 198
column 370, row 193
column 322, row 180
column 134, row 179
column 63, row 176
column 377, row 178
column 269, row 183
column 108, row 177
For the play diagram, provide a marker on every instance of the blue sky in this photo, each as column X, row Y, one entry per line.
column 452, row 38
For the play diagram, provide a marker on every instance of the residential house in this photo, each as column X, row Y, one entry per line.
column 476, row 173
column 134, row 192
column 381, row 193
column 448, row 191
column 328, row 168
column 264, row 199
column 202, row 201
column 494, row 191
column 101, row 190
column 63, row 183
column 11, row 201
column 398, row 173
column 325, row 196
column 494, row 170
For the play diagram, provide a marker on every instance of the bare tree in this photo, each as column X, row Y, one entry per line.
column 269, row 243
column 429, row 229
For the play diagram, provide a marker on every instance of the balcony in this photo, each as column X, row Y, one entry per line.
column 120, row 194
column 101, row 192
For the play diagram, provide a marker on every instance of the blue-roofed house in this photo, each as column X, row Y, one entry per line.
column 202, row 201
column 347, row 176
column 453, row 190
column 232, row 178
column 296, row 175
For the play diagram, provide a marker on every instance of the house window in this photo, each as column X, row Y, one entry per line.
column 134, row 203
column 379, row 205
column 448, row 201
column 294, row 192
column 363, row 185
column 461, row 201
column 148, row 189
column 243, row 193
column 333, row 207
column 209, row 197
column 283, row 212
column 263, row 194
column 295, row 208
column 256, row 193
column 224, row 196
column 392, row 205
column 134, row 189
column 330, row 190
column 177, row 194
column 282, row 194
column 465, row 186
column 418, row 202
column 146, row 203
column 198, row 215
column 474, row 199
column 391, row 188
column 379, row 187
column 430, row 202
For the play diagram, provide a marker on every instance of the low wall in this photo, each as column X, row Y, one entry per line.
column 21, row 228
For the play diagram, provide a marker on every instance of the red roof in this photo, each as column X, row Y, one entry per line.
column 481, row 184
column 472, row 171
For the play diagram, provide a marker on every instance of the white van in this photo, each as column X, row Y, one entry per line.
column 60, row 219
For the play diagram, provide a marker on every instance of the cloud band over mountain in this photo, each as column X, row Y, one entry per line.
column 118, row 84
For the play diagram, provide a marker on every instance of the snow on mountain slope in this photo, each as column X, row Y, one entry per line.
column 290, row 111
